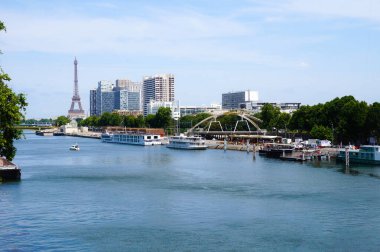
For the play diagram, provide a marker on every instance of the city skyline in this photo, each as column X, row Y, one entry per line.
column 289, row 51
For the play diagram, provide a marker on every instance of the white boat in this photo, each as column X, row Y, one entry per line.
column 187, row 143
column 74, row 147
column 367, row 154
column 131, row 138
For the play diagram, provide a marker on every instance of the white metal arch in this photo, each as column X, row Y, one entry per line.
column 250, row 118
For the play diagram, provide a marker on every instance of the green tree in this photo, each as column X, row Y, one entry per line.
column 228, row 122
column 150, row 121
column 189, row 121
column 163, row 117
column 282, row 121
column 129, row 121
column 139, row 121
column 11, row 107
column 321, row 132
column 62, row 120
column 115, row 119
column 373, row 120
column 269, row 114
column 90, row 121
column 105, row 119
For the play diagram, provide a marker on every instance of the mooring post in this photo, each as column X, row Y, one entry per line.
column 254, row 151
column 225, row 144
column 347, row 160
column 247, row 146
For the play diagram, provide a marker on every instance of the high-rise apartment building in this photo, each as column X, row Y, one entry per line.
column 232, row 100
column 129, row 85
column 158, row 88
column 126, row 95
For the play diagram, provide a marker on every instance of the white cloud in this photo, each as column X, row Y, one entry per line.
column 186, row 35
column 61, row 34
column 362, row 9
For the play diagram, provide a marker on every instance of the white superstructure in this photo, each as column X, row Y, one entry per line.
column 131, row 138
column 187, row 143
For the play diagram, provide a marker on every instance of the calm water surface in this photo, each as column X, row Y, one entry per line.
column 109, row 197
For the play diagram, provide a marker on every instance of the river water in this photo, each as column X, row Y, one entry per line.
column 109, row 197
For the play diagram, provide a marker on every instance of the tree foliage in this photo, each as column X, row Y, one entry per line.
column 273, row 118
column 62, row 120
column 350, row 120
column 12, row 106
column 321, row 132
column 163, row 117
column 188, row 121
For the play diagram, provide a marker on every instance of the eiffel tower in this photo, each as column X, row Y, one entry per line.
column 76, row 113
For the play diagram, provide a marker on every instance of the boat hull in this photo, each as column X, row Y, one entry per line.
column 10, row 174
column 139, row 143
column 275, row 153
column 204, row 147
column 358, row 160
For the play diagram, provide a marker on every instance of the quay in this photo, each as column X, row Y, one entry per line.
column 319, row 154
column 295, row 155
column 47, row 132
column 219, row 145
column 95, row 135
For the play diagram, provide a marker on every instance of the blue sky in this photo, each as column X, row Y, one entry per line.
column 288, row 50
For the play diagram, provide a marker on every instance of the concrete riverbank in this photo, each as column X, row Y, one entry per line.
column 96, row 135
column 219, row 145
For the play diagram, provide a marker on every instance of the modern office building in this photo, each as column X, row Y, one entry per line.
column 285, row 107
column 125, row 95
column 107, row 101
column 93, row 102
column 127, row 100
column 159, row 88
column 232, row 100
column 153, row 106
column 104, row 86
column 190, row 110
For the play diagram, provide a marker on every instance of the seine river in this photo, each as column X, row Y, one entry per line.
column 109, row 197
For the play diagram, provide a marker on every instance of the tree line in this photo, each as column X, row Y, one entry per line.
column 162, row 119
column 344, row 119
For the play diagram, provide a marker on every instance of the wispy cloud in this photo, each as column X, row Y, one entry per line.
column 296, row 10
column 186, row 35
column 363, row 9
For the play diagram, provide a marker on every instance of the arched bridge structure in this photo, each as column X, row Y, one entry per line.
column 245, row 117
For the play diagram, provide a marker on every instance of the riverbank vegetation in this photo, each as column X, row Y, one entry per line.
column 162, row 119
column 344, row 119
column 12, row 106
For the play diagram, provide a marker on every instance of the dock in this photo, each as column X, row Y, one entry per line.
column 95, row 135
column 44, row 132
column 302, row 156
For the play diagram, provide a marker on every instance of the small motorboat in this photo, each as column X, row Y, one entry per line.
column 74, row 147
